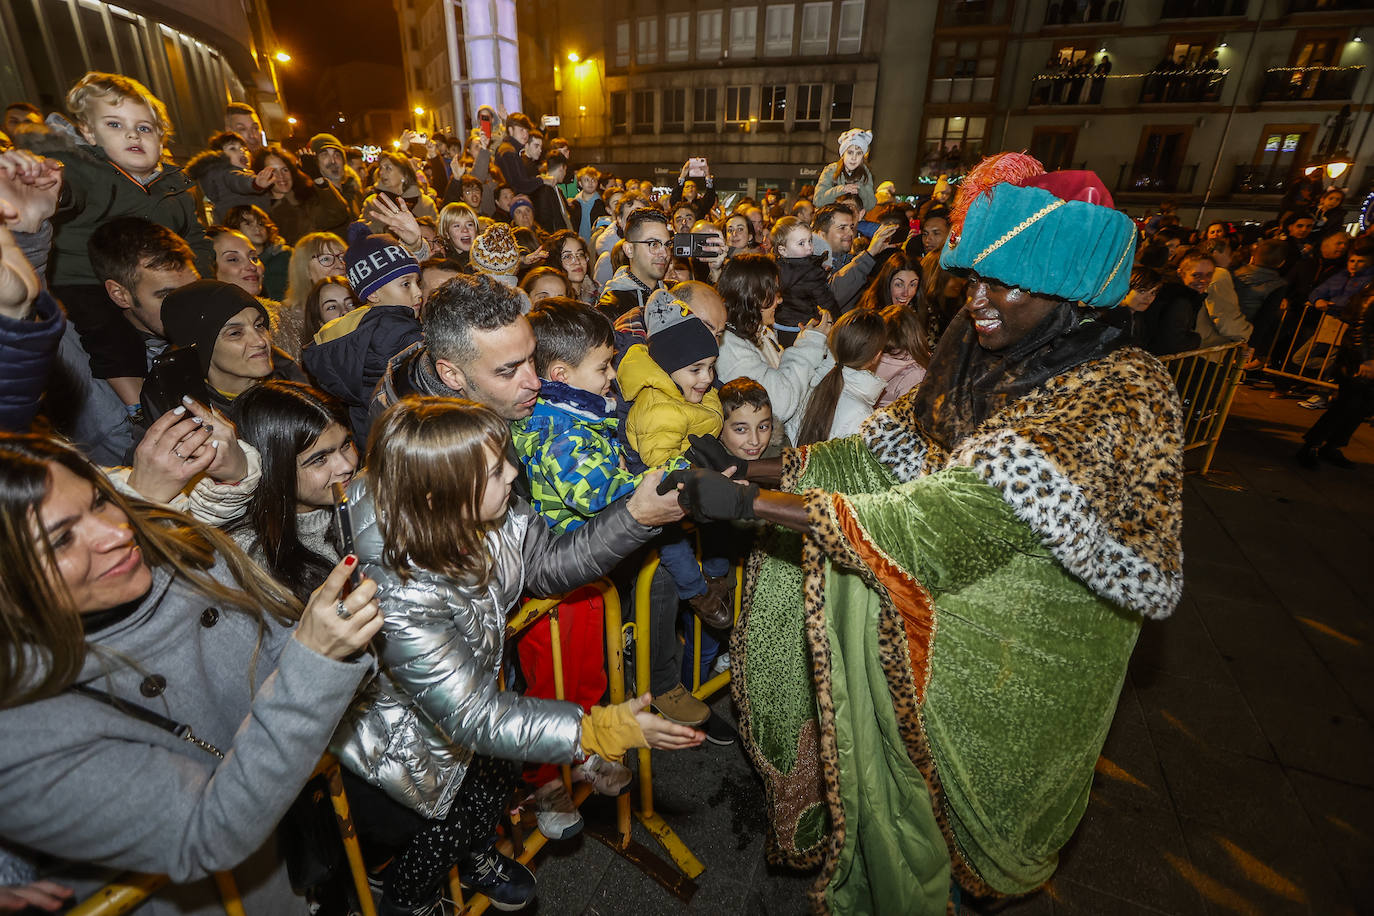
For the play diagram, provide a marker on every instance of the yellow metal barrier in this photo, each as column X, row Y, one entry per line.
column 688, row 863
column 1310, row 356
column 120, row 896
column 1206, row 381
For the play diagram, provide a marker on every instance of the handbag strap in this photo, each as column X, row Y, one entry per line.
column 180, row 729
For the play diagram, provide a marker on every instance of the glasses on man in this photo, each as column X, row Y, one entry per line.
column 654, row 245
column 329, row 259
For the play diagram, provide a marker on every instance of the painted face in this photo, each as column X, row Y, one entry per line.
column 573, row 260
column 336, row 301
column 143, row 303
column 236, row 262
column 1197, row 274
column 502, row 375
column 93, row 549
column 331, row 164
column 128, row 133
column 496, row 493
column 546, row 286
column 840, row 235
column 237, row 154
column 462, row 233
column 933, row 234
column 650, row 252
column 853, row 158
column 904, row 286
column 403, row 290
column 596, row 371
column 737, row 232
column 246, row 126
column 332, row 458
column 797, row 244
column 1002, row 315
column 327, row 263
column 747, row 431
column 695, row 380
column 243, row 352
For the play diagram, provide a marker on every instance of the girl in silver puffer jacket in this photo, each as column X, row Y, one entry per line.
column 452, row 551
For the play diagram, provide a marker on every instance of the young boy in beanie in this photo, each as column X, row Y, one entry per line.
column 350, row 354
column 803, row 282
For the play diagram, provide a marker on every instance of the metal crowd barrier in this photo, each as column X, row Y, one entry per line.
column 1206, row 380
column 1309, row 353
column 688, row 863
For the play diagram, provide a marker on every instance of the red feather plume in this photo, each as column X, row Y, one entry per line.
column 1004, row 168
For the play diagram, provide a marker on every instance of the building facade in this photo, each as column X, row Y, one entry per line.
column 1215, row 103
column 763, row 90
column 195, row 55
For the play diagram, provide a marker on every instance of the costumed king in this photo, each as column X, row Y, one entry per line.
column 975, row 566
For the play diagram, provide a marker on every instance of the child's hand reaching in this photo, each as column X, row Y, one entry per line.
column 611, row 731
column 659, row 733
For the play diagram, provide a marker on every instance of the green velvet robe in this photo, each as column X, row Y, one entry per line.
column 935, row 706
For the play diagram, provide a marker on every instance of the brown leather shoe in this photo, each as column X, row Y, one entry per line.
column 679, row 706
column 713, row 609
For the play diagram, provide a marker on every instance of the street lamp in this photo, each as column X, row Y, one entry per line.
column 573, row 58
column 419, row 112
column 291, row 121
column 282, row 57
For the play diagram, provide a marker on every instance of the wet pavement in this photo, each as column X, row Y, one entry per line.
column 1238, row 777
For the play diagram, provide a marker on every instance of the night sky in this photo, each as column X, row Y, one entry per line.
column 325, row 32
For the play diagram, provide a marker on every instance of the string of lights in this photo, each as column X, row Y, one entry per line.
column 1214, row 75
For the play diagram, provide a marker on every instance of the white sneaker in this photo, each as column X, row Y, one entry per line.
column 722, row 664
column 554, row 810
column 606, row 776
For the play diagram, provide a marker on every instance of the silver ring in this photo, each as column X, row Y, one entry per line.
column 342, row 610
column 179, row 454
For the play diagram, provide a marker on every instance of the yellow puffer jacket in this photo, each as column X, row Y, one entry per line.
column 661, row 418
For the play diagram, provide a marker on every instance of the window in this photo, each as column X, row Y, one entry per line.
column 674, row 111
column 646, row 50
column 808, row 115
column 679, row 38
column 737, row 103
column 841, row 105
column 1053, row 146
column 622, row 44
column 965, row 71
column 815, row 36
column 704, row 109
column 851, row 27
column 1282, row 149
column 777, row 31
column 644, row 111
column 744, row 32
column 1158, row 159
column 953, row 144
column 708, row 34
column 620, row 118
column 773, row 107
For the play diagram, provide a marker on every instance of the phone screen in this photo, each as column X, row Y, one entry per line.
column 486, row 127
column 343, row 526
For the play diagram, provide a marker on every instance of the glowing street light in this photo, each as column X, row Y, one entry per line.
column 572, row 57
column 419, row 111
column 282, row 57
column 291, row 121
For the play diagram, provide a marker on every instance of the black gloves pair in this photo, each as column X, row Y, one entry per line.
column 710, row 496
column 708, row 452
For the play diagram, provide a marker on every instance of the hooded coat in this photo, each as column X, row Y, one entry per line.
column 350, row 354
column 661, row 419
column 225, row 185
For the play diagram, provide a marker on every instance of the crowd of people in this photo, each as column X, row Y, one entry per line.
column 520, row 373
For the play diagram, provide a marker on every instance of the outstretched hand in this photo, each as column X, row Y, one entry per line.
column 659, row 733
column 708, row 452
column 397, row 218
column 711, row 496
column 31, row 185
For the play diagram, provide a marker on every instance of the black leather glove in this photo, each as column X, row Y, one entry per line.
column 710, row 496
column 310, row 165
column 708, row 452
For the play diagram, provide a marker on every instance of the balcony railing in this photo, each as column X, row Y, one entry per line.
column 1251, row 179
column 1140, row 179
column 1076, row 89
column 973, row 12
column 1076, row 12
column 1183, row 86
column 1302, row 84
column 1329, row 6
column 1202, row 9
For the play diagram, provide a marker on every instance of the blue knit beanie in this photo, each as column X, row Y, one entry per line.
column 374, row 261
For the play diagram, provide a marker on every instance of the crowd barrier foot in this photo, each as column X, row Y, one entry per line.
column 670, row 878
column 120, row 896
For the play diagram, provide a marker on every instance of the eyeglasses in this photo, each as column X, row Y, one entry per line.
column 575, row 254
column 654, row 245
column 330, row 260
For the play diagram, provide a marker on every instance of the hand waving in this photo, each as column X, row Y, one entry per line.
column 396, row 217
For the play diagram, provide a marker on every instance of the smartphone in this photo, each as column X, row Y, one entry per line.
column 484, row 120
column 693, row 244
column 867, row 228
column 696, row 167
column 343, row 527
column 175, row 374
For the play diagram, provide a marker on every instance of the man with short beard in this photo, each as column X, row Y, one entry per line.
column 330, row 154
column 648, row 244
column 241, row 119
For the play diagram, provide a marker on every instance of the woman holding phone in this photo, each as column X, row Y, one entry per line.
column 162, row 699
